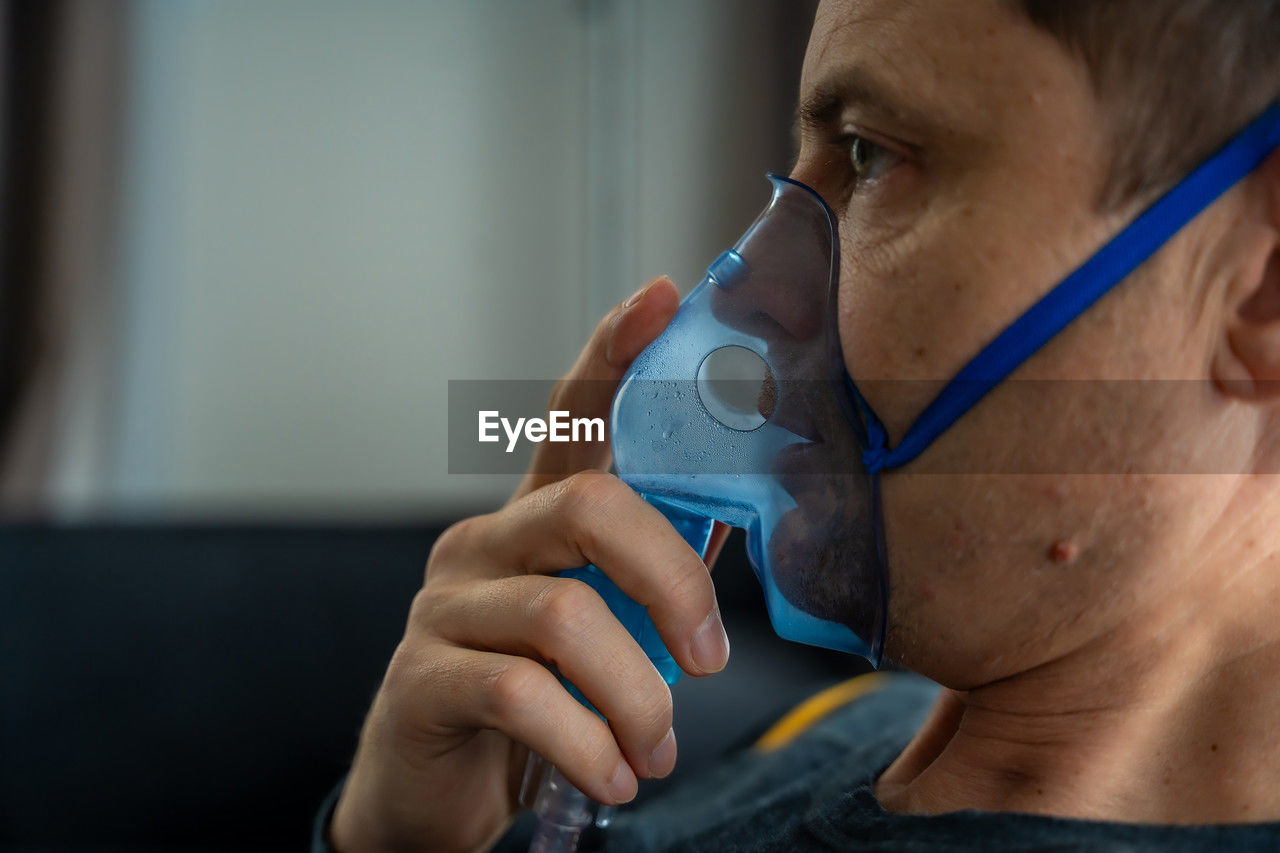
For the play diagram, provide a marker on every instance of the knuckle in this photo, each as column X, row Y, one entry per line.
column 515, row 688
column 447, row 547
column 688, row 586
column 564, row 612
column 425, row 608
column 451, row 545
column 398, row 672
column 585, row 488
column 408, row 669
column 586, row 493
column 655, row 712
column 597, row 754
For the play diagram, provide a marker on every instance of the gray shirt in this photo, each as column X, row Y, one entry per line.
column 815, row 793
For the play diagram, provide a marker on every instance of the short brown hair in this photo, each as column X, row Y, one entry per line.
column 1177, row 77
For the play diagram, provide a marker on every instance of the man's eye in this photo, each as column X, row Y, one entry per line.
column 869, row 161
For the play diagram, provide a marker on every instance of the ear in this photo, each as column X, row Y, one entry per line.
column 1247, row 361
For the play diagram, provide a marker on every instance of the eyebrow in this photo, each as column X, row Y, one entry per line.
column 852, row 85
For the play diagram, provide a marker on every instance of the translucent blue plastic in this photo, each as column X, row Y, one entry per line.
column 794, row 481
column 787, row 467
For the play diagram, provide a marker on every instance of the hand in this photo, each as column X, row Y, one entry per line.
column 468, row 690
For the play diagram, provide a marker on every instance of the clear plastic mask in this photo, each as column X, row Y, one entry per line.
column 740, row 412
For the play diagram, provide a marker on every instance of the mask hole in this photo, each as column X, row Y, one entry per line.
column 736, row 388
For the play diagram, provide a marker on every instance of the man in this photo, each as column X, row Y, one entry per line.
column 1095, row 590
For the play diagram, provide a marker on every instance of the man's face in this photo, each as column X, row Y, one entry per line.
column 963, row 152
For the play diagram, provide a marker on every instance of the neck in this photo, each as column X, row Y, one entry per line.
column 1168, row 719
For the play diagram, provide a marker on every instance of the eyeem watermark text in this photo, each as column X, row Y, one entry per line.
column 559, row 426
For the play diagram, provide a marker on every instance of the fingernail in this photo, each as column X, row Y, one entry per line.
column 635, row 297
column 663, row 758
column 611, row 353
column 711, row 644
column 622, row 785
column 639, row 294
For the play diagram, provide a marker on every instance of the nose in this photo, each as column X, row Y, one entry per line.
column 774, row 285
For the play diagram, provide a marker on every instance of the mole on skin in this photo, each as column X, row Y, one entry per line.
column 1064, row 551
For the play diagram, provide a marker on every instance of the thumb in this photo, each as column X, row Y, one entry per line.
column 587, row 390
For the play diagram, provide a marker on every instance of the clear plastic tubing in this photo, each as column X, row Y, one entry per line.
column 563, row 811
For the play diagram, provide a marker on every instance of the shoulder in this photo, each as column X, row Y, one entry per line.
column 843, row 736
column 882, row 707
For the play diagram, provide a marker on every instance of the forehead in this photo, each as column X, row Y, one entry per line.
column 961, row 63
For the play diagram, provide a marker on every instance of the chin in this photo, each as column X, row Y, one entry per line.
column 823, row 552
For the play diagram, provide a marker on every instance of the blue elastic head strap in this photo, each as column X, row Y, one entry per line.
column 1074, row 294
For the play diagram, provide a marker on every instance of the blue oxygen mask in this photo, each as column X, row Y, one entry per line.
column 740, row 413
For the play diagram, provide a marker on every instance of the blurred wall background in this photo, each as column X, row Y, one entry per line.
column 248, row 242
column 244, row 246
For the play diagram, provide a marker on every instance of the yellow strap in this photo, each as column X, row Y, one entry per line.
column 817, row 706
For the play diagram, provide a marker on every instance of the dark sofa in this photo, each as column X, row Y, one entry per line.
column 187, row 687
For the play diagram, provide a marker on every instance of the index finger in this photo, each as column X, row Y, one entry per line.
column 595, row 518
column 586, row 391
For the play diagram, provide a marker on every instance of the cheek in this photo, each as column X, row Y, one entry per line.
column 982, row 570
column 915, row 307
column 992, row 575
